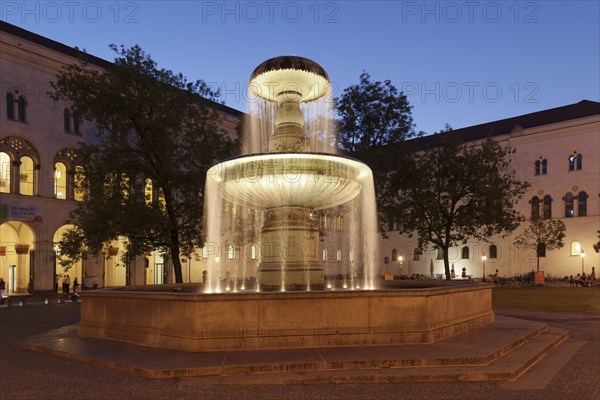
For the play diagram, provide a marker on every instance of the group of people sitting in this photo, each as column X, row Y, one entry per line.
column 583, row 279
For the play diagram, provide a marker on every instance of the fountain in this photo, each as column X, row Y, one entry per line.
column 289, row 184
column 273, row 199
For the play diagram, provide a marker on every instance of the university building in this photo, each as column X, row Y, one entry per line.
column 557, row 150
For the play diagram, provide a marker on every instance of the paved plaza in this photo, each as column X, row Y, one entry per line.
column 569, row 372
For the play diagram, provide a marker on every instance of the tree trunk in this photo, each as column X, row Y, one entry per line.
column 538, row 262
column 175, row 257
column 447, row 264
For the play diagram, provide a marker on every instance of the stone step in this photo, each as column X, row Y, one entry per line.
column 508, row 367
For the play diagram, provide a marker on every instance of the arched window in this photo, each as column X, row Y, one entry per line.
column 10, row 106
column 537, row 167
column 253, row 252
column 416, row 255
column 230, row 252
column 535, row 207
column 575, row 248
column 338, row 255
column 569, row 213
column 325, row 255
column 571, row 162
column 579, row 161
column 67, row 120
column 394, row 255
column 544, row 167
column 26, row 172
column 60, row 181
column 78, row 183
column 582, row 204
column 547, row 206
column 493, row 251
column 21, row 103
column 4, row 173
column 465, row 253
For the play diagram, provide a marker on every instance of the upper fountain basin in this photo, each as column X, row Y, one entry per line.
column 289, row 74
column 273, row 180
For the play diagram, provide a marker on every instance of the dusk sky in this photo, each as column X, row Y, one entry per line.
column 462, row 63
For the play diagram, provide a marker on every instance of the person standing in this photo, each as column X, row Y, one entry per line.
column 66, row 284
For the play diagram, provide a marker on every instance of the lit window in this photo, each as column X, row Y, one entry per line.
column 575, row 248
column 4, row 173
column 26, row 171
column 205, row 251
column 230, row 252
column 60, row 181
column 338, row 255
column 253, row 253
column 569, row 213
column 582, row 204
column 324, row 254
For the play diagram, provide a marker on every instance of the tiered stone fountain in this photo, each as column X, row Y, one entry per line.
column 289, row 183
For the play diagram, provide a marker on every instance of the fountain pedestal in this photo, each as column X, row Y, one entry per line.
column 289, row 251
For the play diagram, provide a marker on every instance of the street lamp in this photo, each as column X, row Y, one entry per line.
column 400, row 259
column 582, row 257
column 483, row 258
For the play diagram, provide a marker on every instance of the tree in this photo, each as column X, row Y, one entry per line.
column 450, row 192
column 157, row 135
column 541, row 235
column 372, row 114
column 597, row 244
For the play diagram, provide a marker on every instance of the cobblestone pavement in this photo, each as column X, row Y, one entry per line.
column 28, row 375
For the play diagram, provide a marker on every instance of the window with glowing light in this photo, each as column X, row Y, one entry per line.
column 26, row 176
column 60, row 181
column 5, row 169
column 575, row 248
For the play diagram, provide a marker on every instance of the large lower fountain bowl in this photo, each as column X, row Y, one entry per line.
column 309, row 180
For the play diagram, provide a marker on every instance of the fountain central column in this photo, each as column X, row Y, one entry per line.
column 289, row 236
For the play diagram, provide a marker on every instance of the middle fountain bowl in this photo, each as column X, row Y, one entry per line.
column 271, row 180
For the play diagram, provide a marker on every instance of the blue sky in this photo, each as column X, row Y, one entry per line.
column 459, row 62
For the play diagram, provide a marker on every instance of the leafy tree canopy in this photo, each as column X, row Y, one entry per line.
column 154, row 129
column 372, row 114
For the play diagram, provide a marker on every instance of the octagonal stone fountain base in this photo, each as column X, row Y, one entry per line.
column 243, row 321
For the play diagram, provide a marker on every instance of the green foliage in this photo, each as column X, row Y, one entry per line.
column 71, row 247
column 372, row 114
column 151, row 124
column 450, row 192
column 597, row 244
column 542, row 233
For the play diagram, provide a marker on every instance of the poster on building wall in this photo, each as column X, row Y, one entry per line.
column 24, row 213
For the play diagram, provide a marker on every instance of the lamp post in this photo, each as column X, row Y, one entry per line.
column 582, row 257
column 483, row 258
column 400, row 259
